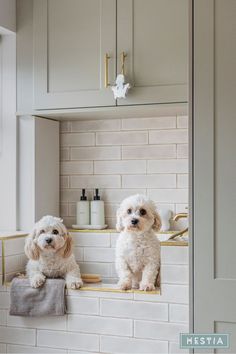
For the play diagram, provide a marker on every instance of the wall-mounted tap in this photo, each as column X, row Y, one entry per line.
column 176, row 218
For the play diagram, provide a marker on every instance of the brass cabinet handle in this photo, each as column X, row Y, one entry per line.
column 123, row 56
column 107, row 57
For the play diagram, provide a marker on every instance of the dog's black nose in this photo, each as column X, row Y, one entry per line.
column 48, row 240
column 134, row 221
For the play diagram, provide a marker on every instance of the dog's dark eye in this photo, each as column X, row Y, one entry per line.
column 42, row 232
column 143, row 212
column 55, row 232
column 129, row 211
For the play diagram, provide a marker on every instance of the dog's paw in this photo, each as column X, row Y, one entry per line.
column 125, row 285
column 37, row 280
column 147, row 286
column 135, row 285
column 74, row 284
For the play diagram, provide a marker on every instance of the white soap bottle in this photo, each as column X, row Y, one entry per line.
column 97, row 210
column 83, row 214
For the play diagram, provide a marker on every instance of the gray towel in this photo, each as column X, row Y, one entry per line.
column 46, row 300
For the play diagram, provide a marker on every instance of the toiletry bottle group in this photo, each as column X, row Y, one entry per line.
column 90, row 213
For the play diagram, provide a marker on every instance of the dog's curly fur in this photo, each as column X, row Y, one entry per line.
column 137, row 248
column 49, row 249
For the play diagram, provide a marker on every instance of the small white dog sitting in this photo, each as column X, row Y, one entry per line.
column 49, row 249
column 137, row 248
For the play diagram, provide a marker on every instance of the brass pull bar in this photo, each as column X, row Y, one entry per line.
column 123, row 56
column 107, row 57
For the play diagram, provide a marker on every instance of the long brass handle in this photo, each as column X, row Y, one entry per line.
column 107, row 57
column 123, row 56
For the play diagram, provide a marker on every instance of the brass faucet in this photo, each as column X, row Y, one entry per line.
column 176, row 218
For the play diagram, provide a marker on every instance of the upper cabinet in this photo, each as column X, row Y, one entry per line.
column 153, row 34
column 78, row 46
column 71, row 41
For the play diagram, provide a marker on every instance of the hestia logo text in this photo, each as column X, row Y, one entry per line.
column 204, row 340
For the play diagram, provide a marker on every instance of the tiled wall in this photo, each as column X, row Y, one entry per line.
column 123, row 157
column 107, row 322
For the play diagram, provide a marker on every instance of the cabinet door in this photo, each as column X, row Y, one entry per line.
column 71, row 39
column 154, row 36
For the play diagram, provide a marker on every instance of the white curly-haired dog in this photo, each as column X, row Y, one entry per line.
column 137, row 247
column 49, row 249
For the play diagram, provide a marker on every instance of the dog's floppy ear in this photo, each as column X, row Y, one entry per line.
column 119, row 225
column 67, row 248
column 157, row 221
column 31, row 249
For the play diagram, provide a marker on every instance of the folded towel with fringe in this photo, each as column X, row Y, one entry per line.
column 44, row 301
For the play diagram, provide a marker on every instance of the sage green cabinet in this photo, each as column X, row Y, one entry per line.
column 73, row 37
column 154, row 36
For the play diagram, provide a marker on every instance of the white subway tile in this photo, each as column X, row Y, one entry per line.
column 3, row 317
column 110, row 210
column 99, row 254
column 182, row 122
column 156, row 330
column 15, row 246
column 175, row 349
column 111, row 222
column 182, row 151
column 77, row 139
column 171, row 293
column 177, row 274
column 64, row 154
column 64, row 209
column 168, row 195
column 18, row 336
column 174, row 255
column 79, row 253
column 100, row 325
column 172, row 136
column 70, row 195
column 179, row 313
column 96, row 125
column 90, row 239
column 49, row 322
column 80, row 352
column 64, row 182
column 3, row 348
column 65, row 127
column 134, row 309
column 82, row 305
column 72, row 209
column 114, row 237
column 16, row 263
column 111, row 344
column 122, row 138
column 96, row 153
column 149, row 181
column 182, row 180
column 33, row 350
column 167, row 166
column 149, row 152
column 95, row 181
column 76, row 168
column 104, row 269
column 69, row 221
column 117, row 195
column 119, row 167
column 181, row 208
column 68, row 340
column 149, row 123
column 101, row 294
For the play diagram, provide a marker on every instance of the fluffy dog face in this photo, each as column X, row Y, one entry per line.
column 48, row 236
column 137, row 214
